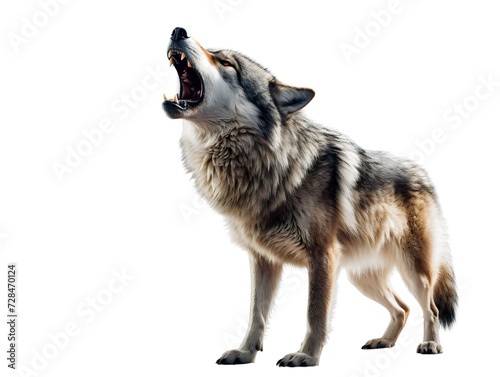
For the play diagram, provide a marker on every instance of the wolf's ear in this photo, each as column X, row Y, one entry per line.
column 290, row 99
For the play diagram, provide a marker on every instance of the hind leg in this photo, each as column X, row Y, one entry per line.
column 374, row 285
column 421, row 287
column 417, row 267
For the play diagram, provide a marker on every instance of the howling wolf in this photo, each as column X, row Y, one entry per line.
column 295, row 192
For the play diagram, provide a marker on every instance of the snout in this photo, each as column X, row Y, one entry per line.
column 182, row 53
column 178, row 34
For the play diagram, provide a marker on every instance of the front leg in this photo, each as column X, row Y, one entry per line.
column 322, row 270
column 265, row 277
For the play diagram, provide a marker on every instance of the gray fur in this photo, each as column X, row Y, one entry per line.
column 296, row 192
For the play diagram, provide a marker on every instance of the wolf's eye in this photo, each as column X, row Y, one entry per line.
column 225, row 63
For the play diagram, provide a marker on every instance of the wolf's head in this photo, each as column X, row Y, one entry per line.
column 224, row 86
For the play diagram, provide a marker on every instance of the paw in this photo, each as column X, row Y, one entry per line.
column 298, row 359
column 233, row 357
column 378, row 343
column 429, row 348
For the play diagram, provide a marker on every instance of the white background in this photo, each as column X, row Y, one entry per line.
column 129, row 205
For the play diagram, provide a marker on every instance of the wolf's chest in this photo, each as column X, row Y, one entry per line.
column 281, row 243
column 230, row 171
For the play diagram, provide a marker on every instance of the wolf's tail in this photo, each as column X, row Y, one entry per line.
column 445, row 294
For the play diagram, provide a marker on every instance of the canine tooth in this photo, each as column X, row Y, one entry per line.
column 183, row 55
column 169, row 54
column 165, row 97
column 189, row 64
column 171, row 61
column 175, row 99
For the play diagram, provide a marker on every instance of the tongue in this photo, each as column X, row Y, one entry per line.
column 189, row 90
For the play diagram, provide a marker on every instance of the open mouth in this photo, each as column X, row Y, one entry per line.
column 191, row 85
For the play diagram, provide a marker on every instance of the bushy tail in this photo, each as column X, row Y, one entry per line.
column 445, row 295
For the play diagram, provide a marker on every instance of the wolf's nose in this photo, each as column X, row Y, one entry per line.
column 179, row 34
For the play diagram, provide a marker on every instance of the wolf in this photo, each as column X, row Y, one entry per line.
column 295, row 192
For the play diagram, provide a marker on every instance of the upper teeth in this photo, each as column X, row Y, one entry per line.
column 172, row 61
column 183, row 56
